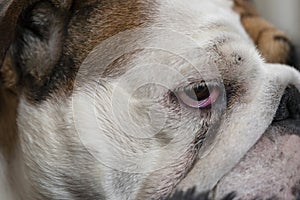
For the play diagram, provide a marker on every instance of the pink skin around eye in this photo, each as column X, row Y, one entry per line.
column 199, row 104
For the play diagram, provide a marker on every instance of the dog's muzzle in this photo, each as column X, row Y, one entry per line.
column 289, row 107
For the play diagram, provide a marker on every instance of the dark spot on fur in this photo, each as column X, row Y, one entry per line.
column 271, row 198
column 192, row 195
column 289, row 107
column 37, row 52
column 233, row 91
column 60, row 81
column 296, row 190
column 80, row 190
column 246, row 15
column 281, row 38
column 163, row 138
column 292, row 55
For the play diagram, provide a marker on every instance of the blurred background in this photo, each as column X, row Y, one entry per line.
column 285, row 14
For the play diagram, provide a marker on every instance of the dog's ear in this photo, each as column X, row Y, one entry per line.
column 10, row 11
column 31, row 40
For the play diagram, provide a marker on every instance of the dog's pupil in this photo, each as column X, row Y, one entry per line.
column 198, row 93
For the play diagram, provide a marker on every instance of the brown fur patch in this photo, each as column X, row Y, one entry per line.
column 103, row 20
column 89, row 23
column 9, row 14
column 264, row 34
column 8, row 74
column 8, row 129
column 8, row 108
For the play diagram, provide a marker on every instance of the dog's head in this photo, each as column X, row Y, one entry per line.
column 133, row 99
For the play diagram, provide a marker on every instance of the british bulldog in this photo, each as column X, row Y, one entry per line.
column 146, row 99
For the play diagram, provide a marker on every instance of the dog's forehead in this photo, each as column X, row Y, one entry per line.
column 170, row 33
column 197, row 14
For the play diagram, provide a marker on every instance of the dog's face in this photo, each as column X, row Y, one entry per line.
column 135, row 99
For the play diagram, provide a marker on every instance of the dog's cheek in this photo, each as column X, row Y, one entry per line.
column 270, row 169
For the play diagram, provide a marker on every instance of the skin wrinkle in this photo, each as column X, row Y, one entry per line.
column 277, row 150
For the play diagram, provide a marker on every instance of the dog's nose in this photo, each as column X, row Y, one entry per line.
column 289, row 107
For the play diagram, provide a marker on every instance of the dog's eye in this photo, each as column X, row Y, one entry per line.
column 198, row 95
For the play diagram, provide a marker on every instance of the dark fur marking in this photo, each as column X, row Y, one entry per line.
column 292, row 57
column 80, row 190
column 191, row 195
column 282, row 38
column 246, row 15
column 40, row 76
column 62, row 75
column 79, row 41
column 296, row 190
column 8, row 20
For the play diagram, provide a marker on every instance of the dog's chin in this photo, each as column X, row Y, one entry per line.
column 271, row 169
